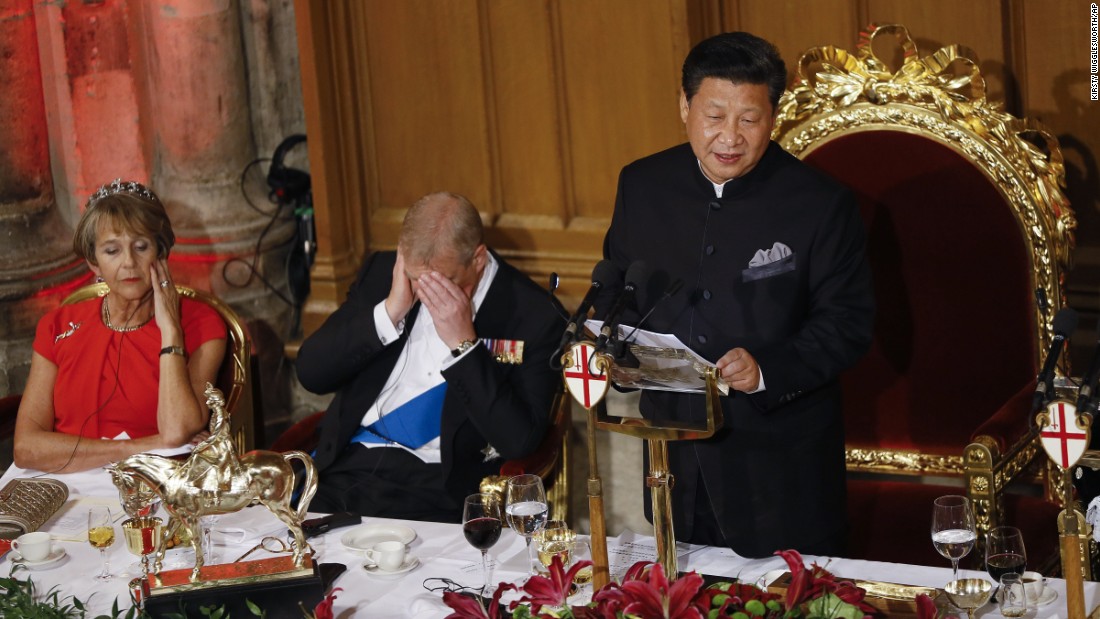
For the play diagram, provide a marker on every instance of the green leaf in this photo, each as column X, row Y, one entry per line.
column 829, row 606
column 254, row 609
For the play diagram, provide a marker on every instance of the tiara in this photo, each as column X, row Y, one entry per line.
column 133, row 188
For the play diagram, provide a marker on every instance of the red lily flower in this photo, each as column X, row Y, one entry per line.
column 553, row 591
column 651, row 596
column 323, row 610
column 468, row 607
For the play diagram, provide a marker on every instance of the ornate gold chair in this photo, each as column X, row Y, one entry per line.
column 551, row 461
column 968, row 232
column 234, row 379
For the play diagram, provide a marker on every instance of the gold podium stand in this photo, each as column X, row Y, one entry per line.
column 587, row 377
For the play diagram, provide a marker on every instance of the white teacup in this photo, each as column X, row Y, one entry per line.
column 33, row 546
column 1034, row 583
column 387, row 556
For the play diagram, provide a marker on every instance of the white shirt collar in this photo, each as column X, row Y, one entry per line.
column 717, row 188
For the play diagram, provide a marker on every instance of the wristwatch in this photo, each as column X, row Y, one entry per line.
column 462, row 347
column 173, row 350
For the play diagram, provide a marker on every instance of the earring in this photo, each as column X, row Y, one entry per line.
column 99, row 279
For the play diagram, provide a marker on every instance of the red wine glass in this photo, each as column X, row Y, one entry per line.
column 481, row 524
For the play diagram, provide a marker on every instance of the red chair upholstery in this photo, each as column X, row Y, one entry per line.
column 965, row 221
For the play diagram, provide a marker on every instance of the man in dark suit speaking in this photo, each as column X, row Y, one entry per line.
column 439, row 362
column 777, row 293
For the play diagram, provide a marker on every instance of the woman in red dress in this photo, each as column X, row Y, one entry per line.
column 125, row 373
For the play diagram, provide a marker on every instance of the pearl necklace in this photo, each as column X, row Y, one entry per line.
column 107, row 321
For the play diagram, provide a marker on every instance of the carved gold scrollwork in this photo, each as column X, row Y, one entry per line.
column 908, row 462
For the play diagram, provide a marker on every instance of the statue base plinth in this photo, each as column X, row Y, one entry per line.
column 275, row 585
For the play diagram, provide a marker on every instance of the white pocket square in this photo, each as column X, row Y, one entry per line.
column 778, row 252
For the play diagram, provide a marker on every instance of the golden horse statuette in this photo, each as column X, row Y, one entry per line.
column 213, row 480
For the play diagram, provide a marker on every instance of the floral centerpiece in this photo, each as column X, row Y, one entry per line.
column 646, row 593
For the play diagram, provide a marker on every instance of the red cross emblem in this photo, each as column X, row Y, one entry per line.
column 1063, row 446
column 579, row 378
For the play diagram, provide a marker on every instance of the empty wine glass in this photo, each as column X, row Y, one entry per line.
column 101, row 534
column 953, row 532
column 481, row 525
column 526, row 509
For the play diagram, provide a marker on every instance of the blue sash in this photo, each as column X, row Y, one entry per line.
column 413, row 424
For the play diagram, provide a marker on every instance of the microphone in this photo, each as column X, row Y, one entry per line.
column 605, row 274
column 1065, row 323
column 552, row 298
column 618, row 347
column 637, row 274
column 1084, row 395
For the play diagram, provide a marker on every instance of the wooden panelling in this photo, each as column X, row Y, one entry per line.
column 795, row 26
column 623, row 60
column 1055, row 40
column 979, row 25
column 427, row 85
column 527, row 100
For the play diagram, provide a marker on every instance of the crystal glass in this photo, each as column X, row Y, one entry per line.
column 582, row 551
column 1004, row 552
column 1013, row 597
column 481, row 524
column 555, row 539
column 953, row 532
column 101, row 534
column 525, row 508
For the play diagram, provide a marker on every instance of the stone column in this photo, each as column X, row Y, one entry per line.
column 199, row 110
column 37, row 265
column 203, row 141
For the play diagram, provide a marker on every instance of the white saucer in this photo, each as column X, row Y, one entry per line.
column 364, row 537
column 49, row 562
column 410, row 564
column 1046, row 597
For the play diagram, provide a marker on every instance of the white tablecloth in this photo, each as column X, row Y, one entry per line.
column 444, row 553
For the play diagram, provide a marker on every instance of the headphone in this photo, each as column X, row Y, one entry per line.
column 287, row 184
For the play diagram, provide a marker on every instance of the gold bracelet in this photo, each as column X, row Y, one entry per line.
column 173, row 350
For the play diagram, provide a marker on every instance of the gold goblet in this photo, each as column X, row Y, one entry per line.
column 142, row 536
column 969, row 594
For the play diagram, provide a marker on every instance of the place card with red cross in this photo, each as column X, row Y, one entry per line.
column 1064, row 435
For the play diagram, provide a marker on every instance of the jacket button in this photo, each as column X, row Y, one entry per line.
column 709, row 249
column 706, row 295
column 702, row 339
column 717, row 206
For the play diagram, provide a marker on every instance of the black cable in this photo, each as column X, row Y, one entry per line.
column 244, row 192
column 273, row 216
